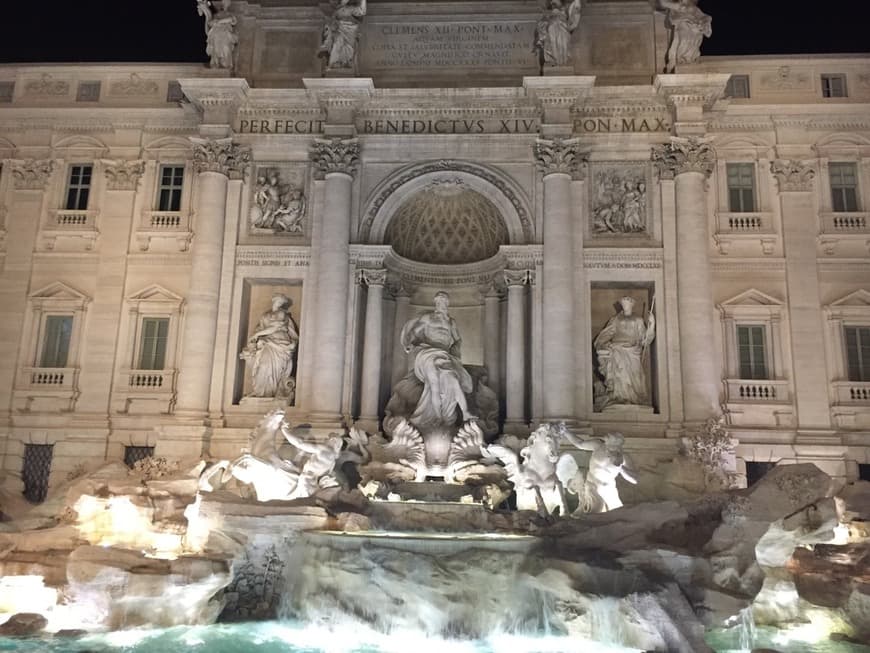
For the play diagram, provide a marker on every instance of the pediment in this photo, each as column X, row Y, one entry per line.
column 752, row 297
column 80, row 145
column 155, row 293
column 859, row 299
column 59, row 291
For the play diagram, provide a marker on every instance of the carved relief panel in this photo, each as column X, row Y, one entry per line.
column 620, row 204
column 278, row 205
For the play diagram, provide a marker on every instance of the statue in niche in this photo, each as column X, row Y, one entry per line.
column 341, row 33
column 620, row 204
column 434, row 340
column 270, row 351
column 277, row 207
column 621, row 347
column 597, row 487
column 689, row 25
column 553, row 32
column 220, row 32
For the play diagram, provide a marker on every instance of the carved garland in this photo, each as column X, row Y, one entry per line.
column 220, row 155
column 335, row 156
column 452, row 166
column 31, row 174
column 793, row 176
column 684, row 155
column 560, row 156
column 124, row 175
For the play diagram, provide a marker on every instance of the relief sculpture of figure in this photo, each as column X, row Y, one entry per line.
column 689, row 25
column 608, row 461
column 341, row 32
column 434, row 340
column 621, row 347
column 270, row 351
column 277, row 207
column 553, row 31
column 220, row 31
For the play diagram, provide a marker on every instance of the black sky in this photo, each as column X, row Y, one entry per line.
column 171, row 30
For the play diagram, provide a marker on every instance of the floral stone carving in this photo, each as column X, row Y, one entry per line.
column 124, row 175
column 220, row 155
column 683, row 155
column 793, row 176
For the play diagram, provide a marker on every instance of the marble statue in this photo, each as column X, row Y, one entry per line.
column 619, row 204
column 271, row 349
column 277, row 207
column 553, row 31
column 621, row 347
column 433, row 340
column 220, row 31
column 341, row 33
column 689, row 25
column 598, row 492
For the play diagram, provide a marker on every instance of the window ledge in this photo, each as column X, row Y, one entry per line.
column 46, row 388
column 145, row 391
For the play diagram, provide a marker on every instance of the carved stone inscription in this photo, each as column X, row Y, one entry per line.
column 441, row 44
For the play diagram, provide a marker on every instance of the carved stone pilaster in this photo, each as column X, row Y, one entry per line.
column 123, row 175
column 560, row 156
column 31, row 174
column 220, row 155
column 519, row 277
column 370, row 277
column 684, row 155
column 335, row 155
column 793, row 176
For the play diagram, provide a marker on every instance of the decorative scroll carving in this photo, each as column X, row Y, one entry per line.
column 123, row 175
column 32, row 174
column 684, row 155
column 370, row 277
column 560, row 156
column 518, row 277
column 793, row 176
column 785, row 78
column 336, row 155
column 47, row 85
column 220, row 155
column 135, row 86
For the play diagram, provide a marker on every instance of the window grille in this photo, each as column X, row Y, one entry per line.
column 133, row 455
column 88, row 92
column 737, row 87
column 36, row 471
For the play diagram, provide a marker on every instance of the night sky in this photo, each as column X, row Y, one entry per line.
column 171, row 30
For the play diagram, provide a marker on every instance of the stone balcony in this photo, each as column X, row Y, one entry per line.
column 76, row 229
column 46, row 389
column 851, row 404
column 164, row 225
column 144, row 392
column 747, row 234
column 845, row 233
column 759, row 402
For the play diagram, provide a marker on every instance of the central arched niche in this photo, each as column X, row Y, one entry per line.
column 447, row 223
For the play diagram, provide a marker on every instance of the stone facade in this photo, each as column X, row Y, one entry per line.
column 536, row 201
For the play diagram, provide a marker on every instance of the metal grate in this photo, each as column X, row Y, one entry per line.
column 36, row 470
column 88, row 92
column 133, row 455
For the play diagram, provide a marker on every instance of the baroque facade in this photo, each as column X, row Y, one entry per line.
column 151, row 214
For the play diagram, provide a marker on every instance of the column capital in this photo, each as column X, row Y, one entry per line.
column 560, row 156
column 220, row 155
column 793, row 176
column 683, row 155
column 31, row 174
column 123, row 175
column 371, row 277
column 514, row 278
column 335, row 156
column 399, row 288
column 493, row 289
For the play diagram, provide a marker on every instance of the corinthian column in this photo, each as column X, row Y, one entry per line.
column 559, row 161
column 690, row 161
column 336, row 161
column 795, row 179
column 215, row 162
column 373, row 336
column 492, row 295
column 515, row 364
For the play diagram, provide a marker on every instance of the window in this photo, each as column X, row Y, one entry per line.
column 844, row 187
column 858, row 352
column 737, row 87
column 833, row 86
column 751, row 354
column 56, row 341
column 863, row 472
column 88, row 92
column 36, row 471
column 741, row 187
column 152, row 343
column 133, row 454
column 7, row 90
column 79, row 187
column 756, row 471
column 169, row 191
column 174, row 92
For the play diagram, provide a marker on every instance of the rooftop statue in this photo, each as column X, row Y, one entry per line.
column 341, row 33
column 553, row 31
column 220, row 32
column 689, row 25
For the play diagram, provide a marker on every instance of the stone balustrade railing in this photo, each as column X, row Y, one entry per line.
column 756, row 391
column 68, row 219
column 745, row 223
column 852, row 392
column 51, row 377
column 845, row 223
